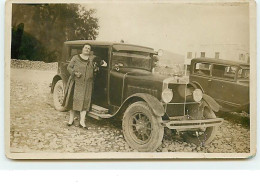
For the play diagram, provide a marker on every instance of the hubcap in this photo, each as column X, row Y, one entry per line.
column 141, row 127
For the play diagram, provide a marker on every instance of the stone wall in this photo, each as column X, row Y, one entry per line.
column 35, row 65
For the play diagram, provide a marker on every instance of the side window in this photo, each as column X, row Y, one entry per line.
column 74, row 51
column 202, row 68
column 230, row 72
column 64, row 54
column 243, row 73
column 221, row 71
column 202, row 54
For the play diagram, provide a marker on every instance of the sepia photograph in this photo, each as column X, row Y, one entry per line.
column 130, row 80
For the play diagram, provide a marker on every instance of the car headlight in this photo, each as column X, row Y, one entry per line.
column 197, row 95
column 167, row 95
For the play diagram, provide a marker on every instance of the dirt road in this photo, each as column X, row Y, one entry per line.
column 36, row 126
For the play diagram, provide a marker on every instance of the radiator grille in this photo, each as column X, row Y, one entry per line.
column 177, row 105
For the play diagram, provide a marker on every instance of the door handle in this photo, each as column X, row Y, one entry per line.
column 209, row 80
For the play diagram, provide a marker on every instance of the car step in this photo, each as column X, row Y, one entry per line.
column 98, row 109
column 98, row 116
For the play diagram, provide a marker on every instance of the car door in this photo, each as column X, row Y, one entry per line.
column 223, row 86
column 116, row 79
column 100, row 90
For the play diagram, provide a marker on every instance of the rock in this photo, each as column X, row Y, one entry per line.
column 40, row 146
column 120, row 144
column 228, row 139
column 48, row 135
column 14, row 144
column 164, row 150
column 211, row 149
column 187, row 149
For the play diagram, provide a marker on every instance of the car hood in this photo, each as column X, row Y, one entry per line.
column 144, row 75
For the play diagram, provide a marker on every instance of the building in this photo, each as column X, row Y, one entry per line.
column 235, row 52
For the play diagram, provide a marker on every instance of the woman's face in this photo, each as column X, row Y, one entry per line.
column 86, row 50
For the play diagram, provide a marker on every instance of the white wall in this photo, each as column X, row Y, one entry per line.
column 226, row 52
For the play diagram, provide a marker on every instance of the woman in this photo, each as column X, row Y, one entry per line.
column 79, row 87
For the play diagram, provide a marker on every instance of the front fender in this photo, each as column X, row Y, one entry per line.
column 153, row 102
column 211, row 102
column 54, row 81
column 196, row 85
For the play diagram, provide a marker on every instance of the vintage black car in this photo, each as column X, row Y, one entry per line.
column 126, row 89
column 226, row 81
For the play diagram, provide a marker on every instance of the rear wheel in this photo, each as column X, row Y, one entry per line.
column 58, row 96
column 141, row 128
column 202, row 137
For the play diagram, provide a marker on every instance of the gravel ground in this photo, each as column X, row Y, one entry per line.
column 36, row 126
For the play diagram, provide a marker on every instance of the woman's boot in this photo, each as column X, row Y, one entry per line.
column 82, row 119
column 72, row 116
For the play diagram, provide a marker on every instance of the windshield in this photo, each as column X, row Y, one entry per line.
column 243, row 74
column 170, row 64
column 132, row 59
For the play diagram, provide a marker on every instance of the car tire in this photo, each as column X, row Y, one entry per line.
column 207, row 136
column 58, row 95
column 141, row 127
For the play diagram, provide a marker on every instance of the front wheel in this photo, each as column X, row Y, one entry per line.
column 58, row 96
column 141, row 128
column 202, row 137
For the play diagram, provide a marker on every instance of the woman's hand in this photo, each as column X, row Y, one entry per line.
column 78, row 74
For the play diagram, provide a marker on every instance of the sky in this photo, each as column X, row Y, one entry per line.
column 172, row 26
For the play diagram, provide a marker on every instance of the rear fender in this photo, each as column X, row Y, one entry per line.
column 55, row 79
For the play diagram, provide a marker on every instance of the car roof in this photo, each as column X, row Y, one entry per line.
column 116, row 46
column 91, row 42
column 221, row 61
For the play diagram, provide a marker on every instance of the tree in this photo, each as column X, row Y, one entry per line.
column 52, row 24
column 17, row 34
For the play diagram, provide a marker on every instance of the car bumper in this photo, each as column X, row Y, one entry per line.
column 192, row 124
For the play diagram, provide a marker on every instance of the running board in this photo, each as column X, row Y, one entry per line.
column 98, row 116
column 98, row 109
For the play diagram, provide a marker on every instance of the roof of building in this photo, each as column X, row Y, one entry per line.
column 220, row 61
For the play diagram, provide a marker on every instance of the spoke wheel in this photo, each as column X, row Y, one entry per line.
column 58, row 96
column 141, row 127
column 202, row 137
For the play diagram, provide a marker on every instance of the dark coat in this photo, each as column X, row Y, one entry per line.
column 69, row 93
column 78, row 90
